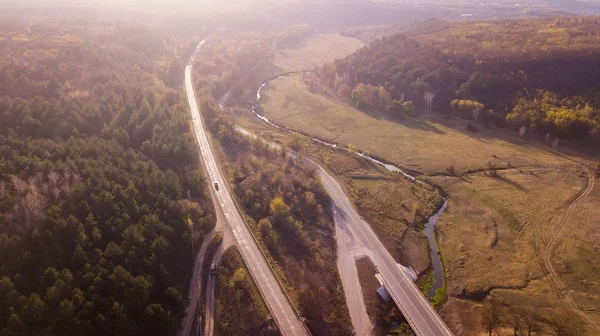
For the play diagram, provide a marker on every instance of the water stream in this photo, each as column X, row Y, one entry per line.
column 429, row 230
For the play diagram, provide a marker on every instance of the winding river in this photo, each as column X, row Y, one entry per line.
column 429, row 230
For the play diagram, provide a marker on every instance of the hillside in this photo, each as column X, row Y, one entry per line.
column 541, row 74
column 518, row 230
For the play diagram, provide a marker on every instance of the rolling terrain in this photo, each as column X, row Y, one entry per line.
column 513, row 196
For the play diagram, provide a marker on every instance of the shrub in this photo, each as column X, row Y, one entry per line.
column 363, row 106
column 471, row 128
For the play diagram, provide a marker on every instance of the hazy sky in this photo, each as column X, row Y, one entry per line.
column 175, row 5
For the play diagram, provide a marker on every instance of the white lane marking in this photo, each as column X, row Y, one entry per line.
column 345, row 205
column 360, row 224
column 240, row 231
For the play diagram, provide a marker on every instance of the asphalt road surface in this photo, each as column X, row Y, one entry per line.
column 423, row 319
column 348, row 251
column 211, row 284
column 273, row 295
column 194, row 290
column 356, row 238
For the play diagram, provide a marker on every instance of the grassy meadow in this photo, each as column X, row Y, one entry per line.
column 315, row 50
column 502, row 190
column 430, row 143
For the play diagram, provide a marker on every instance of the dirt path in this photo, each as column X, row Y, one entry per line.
column 547, row 251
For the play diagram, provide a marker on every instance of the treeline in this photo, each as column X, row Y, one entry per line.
column 290, row 218
column 100, row 197
column 511, row 67
column 368, row 34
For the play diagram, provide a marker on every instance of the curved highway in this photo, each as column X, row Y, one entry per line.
column 283, row 313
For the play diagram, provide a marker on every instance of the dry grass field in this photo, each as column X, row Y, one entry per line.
column 430, row 143
column 314, row 51
column 509, row 221
column 507, row 200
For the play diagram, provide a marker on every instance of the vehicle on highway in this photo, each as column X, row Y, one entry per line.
column 217, row 186
column 213, row 269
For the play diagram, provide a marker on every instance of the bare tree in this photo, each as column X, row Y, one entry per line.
column 476, row 113
column 451, row 170
column 514, row 318
column 522, row 131
column 492, row 169
column 523, row 321
column 491, row 316
column 531, row 321
column 565, row 324
column 428, row 101
column 19, row 185
column 54, row 178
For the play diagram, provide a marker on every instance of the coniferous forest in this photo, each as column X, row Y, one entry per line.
column 101, row 197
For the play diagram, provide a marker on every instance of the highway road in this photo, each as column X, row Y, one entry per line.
column 280, row 308
column 355, row 238
column 423, row 319
column 349, row 250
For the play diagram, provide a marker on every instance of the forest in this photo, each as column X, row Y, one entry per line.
column 541, row 74
column 101, row 199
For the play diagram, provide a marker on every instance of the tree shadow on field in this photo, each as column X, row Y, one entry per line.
column 487, row 134
column 510, row 182
column 406, row 121
column 414, row 123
